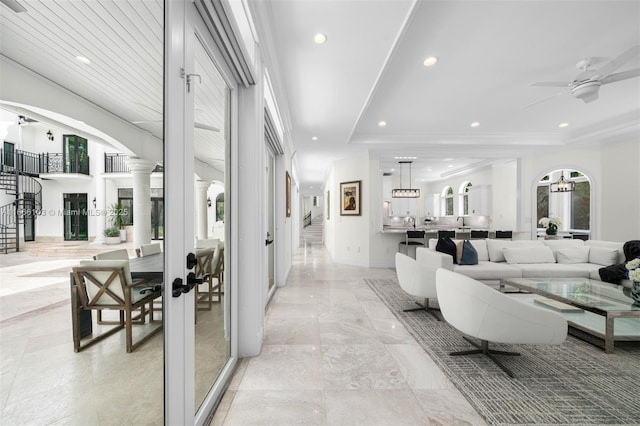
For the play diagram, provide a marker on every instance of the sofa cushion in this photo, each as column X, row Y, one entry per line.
column 528, row 255
column 495, row 247
column 446, row 245
column 603, row 256
column 548, row 270
column 466, row 254
column 562, row 244
column 485, row 270
column 573, row 255
column 481, row 249
column 609, row 245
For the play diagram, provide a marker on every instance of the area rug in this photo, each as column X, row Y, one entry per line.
column 575, row 383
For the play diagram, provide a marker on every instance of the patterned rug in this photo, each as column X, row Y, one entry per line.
column 574, row 383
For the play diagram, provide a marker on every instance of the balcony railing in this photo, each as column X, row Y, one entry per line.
column 116, row 163
column 56, row 163
column 20, row 161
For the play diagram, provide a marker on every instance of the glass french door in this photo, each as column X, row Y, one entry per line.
column 270, row 242
column 75, row 217
column 197, row 335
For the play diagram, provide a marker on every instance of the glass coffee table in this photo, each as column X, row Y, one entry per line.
column 591, row 306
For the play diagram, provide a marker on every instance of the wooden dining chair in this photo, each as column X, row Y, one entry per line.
column 107, row 285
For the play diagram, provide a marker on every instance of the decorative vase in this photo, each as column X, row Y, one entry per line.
column 552, row 229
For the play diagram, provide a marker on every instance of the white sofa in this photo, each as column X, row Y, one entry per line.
column 498, row 259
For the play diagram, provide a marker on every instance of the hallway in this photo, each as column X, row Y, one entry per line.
column 334, row 354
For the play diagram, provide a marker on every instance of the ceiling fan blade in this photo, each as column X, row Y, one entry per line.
column 13, row 5
column 618, row 61
column 542, row 100
column 621, row 76
column 550, row 84
column 205, row 127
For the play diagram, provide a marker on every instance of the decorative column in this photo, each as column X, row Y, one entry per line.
column 99, row 195
column 141, row 171
column 201, row 209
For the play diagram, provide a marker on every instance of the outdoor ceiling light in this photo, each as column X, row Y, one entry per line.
column 405, row 192
column 562, row 185
column 50, row 135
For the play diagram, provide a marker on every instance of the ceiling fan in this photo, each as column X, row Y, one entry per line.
column 586, row 85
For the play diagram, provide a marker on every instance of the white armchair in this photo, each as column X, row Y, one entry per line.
column 417, row 280
column 489, row 315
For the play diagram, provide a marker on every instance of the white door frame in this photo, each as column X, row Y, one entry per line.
column 182, row 22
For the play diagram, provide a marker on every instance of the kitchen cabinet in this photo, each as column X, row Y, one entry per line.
column 480, row 200
column 403, row 206
column 386, row 188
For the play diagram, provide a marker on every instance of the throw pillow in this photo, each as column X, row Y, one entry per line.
column 603, row 256
column 573, row 255
column 446, row 245
column 528, row 255
column 466, row 253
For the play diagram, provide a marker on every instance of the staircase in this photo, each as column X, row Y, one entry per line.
column 313, row 232
column 27, row 192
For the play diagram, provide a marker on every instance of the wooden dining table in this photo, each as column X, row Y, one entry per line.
column 150, row 267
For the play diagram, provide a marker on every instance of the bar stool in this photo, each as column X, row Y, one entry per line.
column 444, row 234
column 477, row 234
column 412, row 240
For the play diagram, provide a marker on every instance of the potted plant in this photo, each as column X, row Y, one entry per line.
column 551, row 224
column 111, row 235
column 117, row 219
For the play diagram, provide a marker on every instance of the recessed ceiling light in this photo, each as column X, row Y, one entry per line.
column 320, row 38
column 430, row 61
column 83, row 59
column 429, row 170
column 563, row 125
column 450, row 165
column 475, row 124
column 382, row 123
column 393, row 170
column 314, row 138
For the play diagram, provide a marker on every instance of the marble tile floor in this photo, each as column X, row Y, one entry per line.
column 335, row 355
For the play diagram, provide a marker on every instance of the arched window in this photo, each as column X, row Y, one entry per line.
column 464, row 198
column 573, row 208
column 220, row 207
column 447, row 201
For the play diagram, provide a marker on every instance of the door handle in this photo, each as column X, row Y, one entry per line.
column 267, row 242
column 178, row 289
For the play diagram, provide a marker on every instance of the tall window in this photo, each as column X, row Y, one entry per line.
column 580, row 202
column 447, row 201
column 542, row 199
column 76, row 154
column 220, row 207
column 464, row 197
column 125, row 199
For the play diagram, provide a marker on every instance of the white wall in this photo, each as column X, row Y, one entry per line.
column 620, row 194
column 614, row 176
column 348, row 237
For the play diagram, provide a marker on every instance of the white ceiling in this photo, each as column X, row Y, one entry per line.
column 490, row 52
column 124, row 42
column 370, row 69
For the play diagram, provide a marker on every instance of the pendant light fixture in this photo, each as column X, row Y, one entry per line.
column 405, row 192
column 562, row 185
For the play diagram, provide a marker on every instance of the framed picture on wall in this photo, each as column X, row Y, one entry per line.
column 350, row 198
column 328, row 202
column 288, row 194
